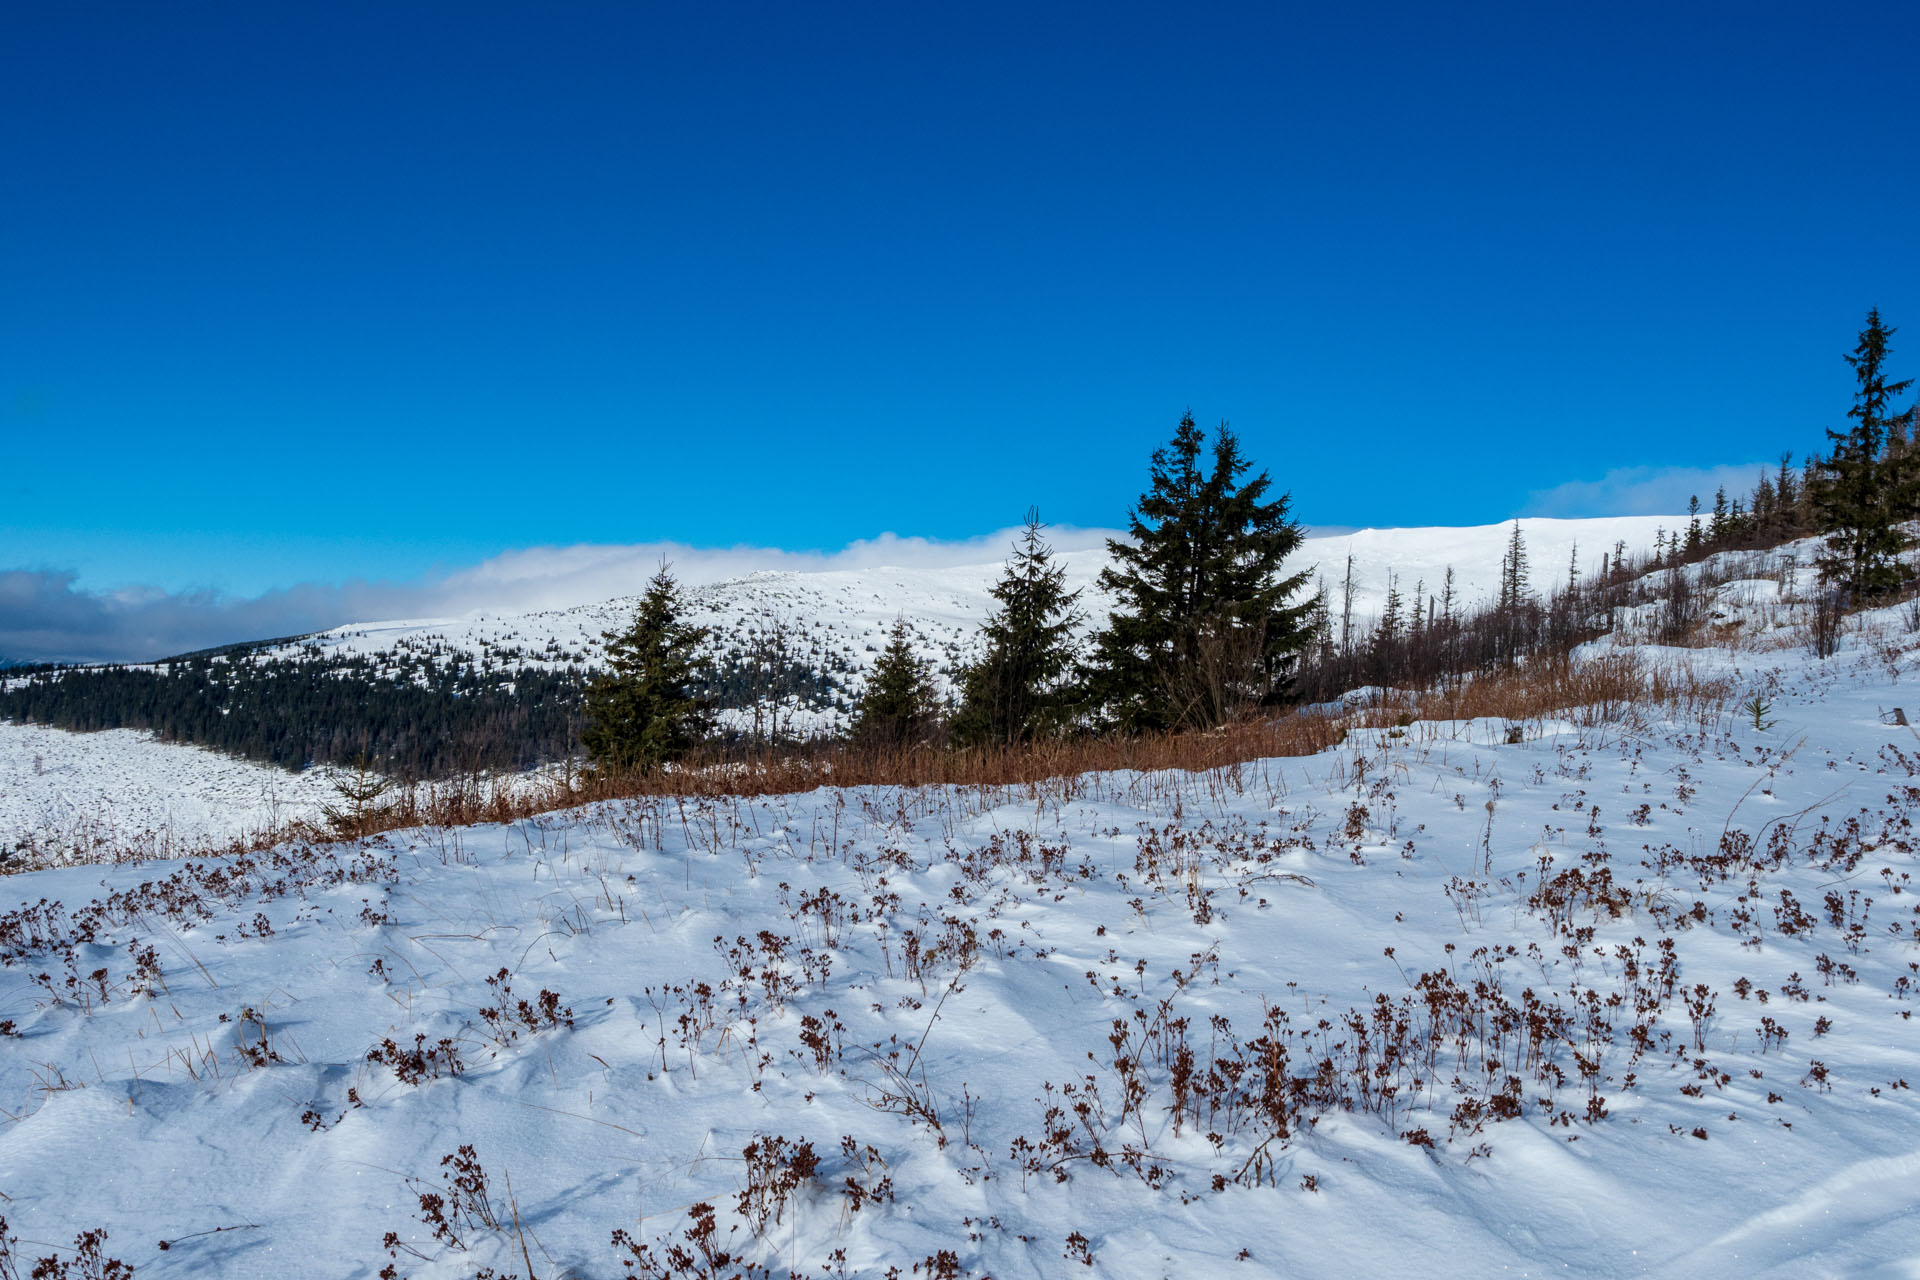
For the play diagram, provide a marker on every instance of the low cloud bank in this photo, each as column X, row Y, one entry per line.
column 46, row 617
column 1645, row 491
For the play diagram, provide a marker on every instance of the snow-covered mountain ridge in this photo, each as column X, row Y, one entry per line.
column 65, row 791
column 845, row 614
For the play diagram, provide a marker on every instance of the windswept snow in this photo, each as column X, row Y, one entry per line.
column 67, row 793
column 970, row 1004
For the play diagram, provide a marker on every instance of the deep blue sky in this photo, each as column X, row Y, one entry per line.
column 313, row 292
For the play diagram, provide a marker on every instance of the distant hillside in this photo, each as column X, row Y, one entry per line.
column 842, row 616
column 492, row 690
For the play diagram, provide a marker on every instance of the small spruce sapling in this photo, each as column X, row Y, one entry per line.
column 900, row 707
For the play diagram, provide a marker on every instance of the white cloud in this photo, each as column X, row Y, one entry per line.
column 556, row 577
column 1644, row 491
column 45, row 616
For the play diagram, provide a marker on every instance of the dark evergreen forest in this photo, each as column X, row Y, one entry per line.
column 426, row 720
column 409, row 713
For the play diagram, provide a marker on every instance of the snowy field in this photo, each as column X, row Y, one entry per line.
column 123, row 790
column 1625, row 997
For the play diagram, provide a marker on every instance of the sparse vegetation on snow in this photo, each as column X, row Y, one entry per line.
column 1607, row 941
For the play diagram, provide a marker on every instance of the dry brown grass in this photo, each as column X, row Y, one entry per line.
column 1612, row 688
column 468, row 801
column 1615, row 688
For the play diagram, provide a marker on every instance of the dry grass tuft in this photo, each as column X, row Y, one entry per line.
column 1610, row 689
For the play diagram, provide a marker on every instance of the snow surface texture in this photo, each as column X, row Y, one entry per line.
column 965, row 1001
column 121, row 795
column 65, row 793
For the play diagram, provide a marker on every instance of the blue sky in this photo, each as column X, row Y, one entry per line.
column 309, row 294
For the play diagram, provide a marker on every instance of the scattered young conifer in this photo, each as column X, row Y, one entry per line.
column 642, row 711
column 1015, row 693
column 1864, row 489
column 900, row 708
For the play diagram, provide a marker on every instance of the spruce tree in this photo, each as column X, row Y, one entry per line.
column 1206, row 627
column 1014, row 692
column 900, row 707
column 1319, row 647
column 642, row 711
column 1514, row 590
column 1766, row 506
column 1791, row 496
column 1513, row 608
column 1862, row 491
column 1387, row 637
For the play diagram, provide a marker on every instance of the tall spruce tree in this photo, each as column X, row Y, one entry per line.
column 1791, row 496
column 1514, row 606
column 900, row 707
column 642, row 711
column 1388, row 645
column 1206, row 626
column 1014, row 693
column 1862, row 490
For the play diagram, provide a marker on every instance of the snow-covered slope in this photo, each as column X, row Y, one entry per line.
column 847, row 613
column 1415, row 556
column 86, row 794
column 1625, row 999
